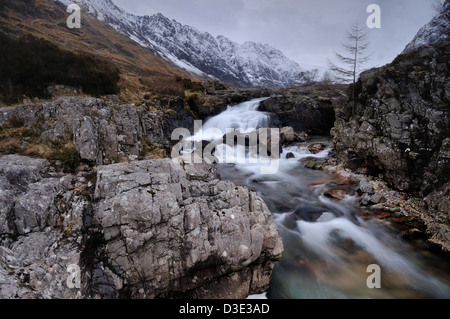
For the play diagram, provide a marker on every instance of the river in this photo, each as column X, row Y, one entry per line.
column 328, row 245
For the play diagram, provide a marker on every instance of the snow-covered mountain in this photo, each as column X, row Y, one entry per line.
column 247, row 64
column 436, row 30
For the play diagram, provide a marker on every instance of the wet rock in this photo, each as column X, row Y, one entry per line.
column 261, row 141
column 384, row 216
column 290, row 155
column 289, row 136
column 310, row 115
column 336, row 193
column 314, row 163
column 365, row 187
column 316, row 148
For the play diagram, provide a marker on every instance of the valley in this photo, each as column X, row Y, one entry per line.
column 135, row 150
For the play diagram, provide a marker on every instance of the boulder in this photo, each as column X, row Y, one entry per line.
column 178, row 231
column 148, row 229
column 290, row 155
column 289, row 136
column 310, row 115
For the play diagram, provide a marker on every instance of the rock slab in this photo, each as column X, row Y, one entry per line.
column 179, row 231
column 145, row 229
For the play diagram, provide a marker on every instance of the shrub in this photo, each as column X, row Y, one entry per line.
column 193, row 102
column 192, row 86
column 69, row 157
column 29, row 65
column 164, row 86
column 30, row 133
column 16, row 121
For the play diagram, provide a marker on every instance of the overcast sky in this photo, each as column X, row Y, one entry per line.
column 307, row 31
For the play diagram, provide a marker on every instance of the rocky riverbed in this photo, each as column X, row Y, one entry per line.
column 87, row 188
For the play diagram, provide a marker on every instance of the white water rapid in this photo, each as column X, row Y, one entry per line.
column 328, row 246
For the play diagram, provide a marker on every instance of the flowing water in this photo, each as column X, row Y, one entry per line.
column 328, row 245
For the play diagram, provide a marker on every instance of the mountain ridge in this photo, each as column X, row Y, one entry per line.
column 141, row 69
column 438, row 29
column 249, row 64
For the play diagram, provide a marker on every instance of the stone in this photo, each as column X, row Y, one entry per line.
column 312, row 116
column 290, row 155
column 336, row 193
column 287, row 135
column 398, row 130
column 41, row 230
column 180, row 231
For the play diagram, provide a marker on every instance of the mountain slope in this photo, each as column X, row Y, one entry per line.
column 140, row 67
column 248, row 64
column 436, row 30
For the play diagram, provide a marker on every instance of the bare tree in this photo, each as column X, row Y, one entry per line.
column 327, row 78
column 353, row 60
column 309, row 77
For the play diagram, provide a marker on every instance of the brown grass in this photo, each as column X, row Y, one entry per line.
column 38, row 150
column 10, row 146
column 95, row 37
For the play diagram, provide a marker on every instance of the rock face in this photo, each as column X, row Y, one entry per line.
column 105, row 131
column 438, row 29
column 399, row 127
column 41, row 218
column 174, row 232
column 153, row 229
column 314, row 116
column 102, row 130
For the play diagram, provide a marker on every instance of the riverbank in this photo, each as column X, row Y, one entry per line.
column 328, row 237
column 377, row 200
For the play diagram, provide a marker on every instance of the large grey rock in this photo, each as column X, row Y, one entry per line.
column 41, row 224
column 101, row 130
column 399, row 128
column 171, row 231
column 312, row 115
column 16, row 174
column 154, row 229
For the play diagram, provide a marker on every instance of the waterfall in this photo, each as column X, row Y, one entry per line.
column 328, row 247
column 244, row 117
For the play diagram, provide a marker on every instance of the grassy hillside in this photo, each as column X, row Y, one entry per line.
column 28, row 65
column 140, row 69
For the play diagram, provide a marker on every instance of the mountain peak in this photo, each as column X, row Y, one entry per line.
column 248, row 65
column 436, row 30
